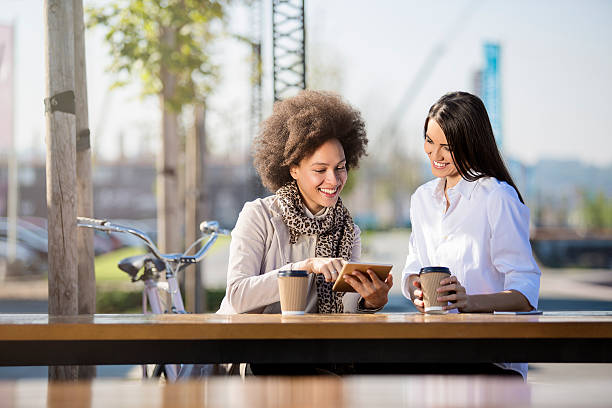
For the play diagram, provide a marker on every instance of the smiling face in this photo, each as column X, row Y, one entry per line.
column 439, row 154
column 321, row 176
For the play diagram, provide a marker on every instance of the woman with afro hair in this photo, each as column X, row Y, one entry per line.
column 303, row 154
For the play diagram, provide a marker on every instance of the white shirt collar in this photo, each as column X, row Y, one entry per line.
column 438, row 191
column 318, row 216
column 464, row 187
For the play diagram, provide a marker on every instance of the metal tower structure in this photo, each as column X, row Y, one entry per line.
column 255, row 23
column 390, row 138
column 288, row 47
column 256, row 110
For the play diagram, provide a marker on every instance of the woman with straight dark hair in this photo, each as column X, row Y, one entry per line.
column 470, row 219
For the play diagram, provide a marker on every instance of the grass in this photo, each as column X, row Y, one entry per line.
column 118, row 301
column 115, row 293
column 130, row 301
column 106, row 264
column 106, row 267
column 221, row 242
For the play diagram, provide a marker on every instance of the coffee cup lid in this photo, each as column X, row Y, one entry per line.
column 440, row 269
column 293, row 274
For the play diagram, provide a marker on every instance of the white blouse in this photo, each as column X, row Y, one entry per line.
column 483, row 238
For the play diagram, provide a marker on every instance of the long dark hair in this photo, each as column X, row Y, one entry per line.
column 464, row 120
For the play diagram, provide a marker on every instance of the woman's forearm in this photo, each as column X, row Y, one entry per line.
column 508, row 300
column 246, row 293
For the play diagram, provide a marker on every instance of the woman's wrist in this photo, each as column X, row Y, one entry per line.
column 304, row 265
column 369, row 305
column 469, row 305
column 509, row 300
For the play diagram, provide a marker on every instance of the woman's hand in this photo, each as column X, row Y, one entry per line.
column 373, row 290
column 458, row 300
column 328, row 267
column 507, row 300
column 417, row 293
column 457, row 297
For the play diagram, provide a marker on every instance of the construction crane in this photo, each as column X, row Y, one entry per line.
column 389, row 136
column 389, row 141
column 255, row 24
column 288, row 47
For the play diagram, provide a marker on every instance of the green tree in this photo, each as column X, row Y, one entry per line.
column 597, row 210
column 164, row 43
column 149, row 38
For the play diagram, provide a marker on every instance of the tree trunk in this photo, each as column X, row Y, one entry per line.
column 87, row 276
column 203, row 200
column 61, row 167
column 194, row 166
column 168, row 221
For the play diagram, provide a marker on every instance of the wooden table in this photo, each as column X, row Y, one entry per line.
column 379, row 338
column 320, row 392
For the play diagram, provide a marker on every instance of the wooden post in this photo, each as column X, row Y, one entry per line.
column 203, row 200
column 168, row 220
column 61, row 166
column 194, row 165
column 86, row 273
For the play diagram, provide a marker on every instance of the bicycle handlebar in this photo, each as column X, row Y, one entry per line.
column 91, row 221
column 207, row 227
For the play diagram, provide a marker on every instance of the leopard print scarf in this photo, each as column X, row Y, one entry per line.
column 335, row 234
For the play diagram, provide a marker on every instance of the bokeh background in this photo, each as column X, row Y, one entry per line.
column 546, row 86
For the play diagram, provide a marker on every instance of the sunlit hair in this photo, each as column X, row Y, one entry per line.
column 298, row 126
column 465, row 123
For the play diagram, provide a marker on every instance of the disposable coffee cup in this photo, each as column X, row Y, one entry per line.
column 293, row 289
column 430, row 278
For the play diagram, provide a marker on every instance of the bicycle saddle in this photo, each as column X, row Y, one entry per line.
column 131, row 265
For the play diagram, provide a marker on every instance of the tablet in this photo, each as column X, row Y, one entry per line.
column 382, row 270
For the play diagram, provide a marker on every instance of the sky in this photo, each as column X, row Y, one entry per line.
column 555, row 67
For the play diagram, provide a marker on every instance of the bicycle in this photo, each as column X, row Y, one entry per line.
column 152, row 265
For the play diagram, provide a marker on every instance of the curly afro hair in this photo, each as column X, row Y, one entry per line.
column 296, row 129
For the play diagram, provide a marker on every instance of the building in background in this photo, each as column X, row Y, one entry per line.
column 127, row 190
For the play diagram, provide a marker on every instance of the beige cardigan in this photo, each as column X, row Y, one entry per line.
column 258, row 250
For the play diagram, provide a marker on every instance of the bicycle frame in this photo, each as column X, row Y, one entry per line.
column 174, row 263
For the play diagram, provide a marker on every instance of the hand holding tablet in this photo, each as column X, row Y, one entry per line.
column 381, row 270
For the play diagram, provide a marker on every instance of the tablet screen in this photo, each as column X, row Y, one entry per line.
column 381, row 270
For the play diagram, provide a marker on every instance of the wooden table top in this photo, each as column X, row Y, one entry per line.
column 320, row 392
column 571, row 325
